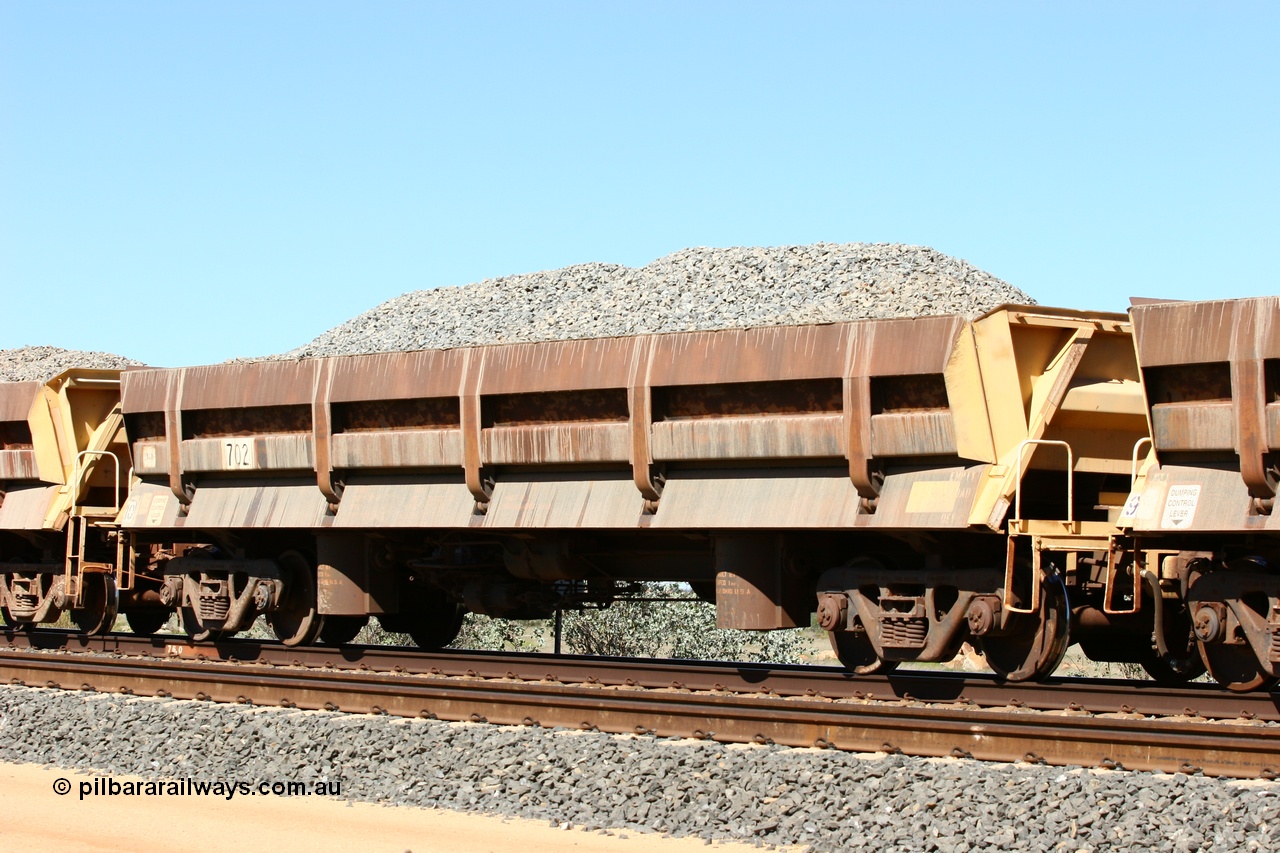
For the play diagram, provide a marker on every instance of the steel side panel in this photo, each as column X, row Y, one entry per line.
column 904, row 346
column 716, row 500
column 24, row 507
column 271, row 452
column 931, row 498
column 18, row 465
column 258, row 383
column 151, row 458
column 556, row 366
column 144, row 390
column 749, row 355
column 1183, row 332
column 423, row 448
column 149, row 506
column 1193, row 426
column 913, row 434
column 1205, row 332
column 238, row 504
column 550, row 503
column 1262, row 340
column 777, row 437
column 405, row 502
column 16, row 399
column 397, row 376
column 552, row 443
column 1109, row 397
column 1000, row 388
column 1221, row 503
column 970, row 422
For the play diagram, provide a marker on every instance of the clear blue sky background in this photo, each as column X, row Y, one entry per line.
column 187, row 182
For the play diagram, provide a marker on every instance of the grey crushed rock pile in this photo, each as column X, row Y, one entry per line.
column 40, row 364
column 823, row 800
column 693, row 289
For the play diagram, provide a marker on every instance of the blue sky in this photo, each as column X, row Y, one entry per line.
column 187, row 182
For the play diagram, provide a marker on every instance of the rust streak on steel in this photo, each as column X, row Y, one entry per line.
column 1236, row 749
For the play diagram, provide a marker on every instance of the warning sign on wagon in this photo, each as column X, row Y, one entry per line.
column 1180, row 506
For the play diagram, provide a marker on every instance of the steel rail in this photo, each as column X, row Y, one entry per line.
column 1237, row 749
column 1099, row 696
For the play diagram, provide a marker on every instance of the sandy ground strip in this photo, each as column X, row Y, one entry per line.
column 40, row 819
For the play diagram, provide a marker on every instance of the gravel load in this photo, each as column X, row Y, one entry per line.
column 693, row 289
column 41, row 364
column 821, row 799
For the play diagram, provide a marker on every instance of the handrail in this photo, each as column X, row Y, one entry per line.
column 1071, row 465
column 80, row 469
column 1133, row 470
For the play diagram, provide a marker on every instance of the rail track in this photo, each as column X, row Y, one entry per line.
column 1131, row 725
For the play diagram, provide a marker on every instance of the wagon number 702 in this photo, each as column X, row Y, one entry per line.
column 237, row 453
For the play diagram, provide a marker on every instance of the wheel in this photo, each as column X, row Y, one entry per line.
column 1232, row 665
column 1235, row 666
column 705, row 590
column 435, row 623
column 295, row 620
column 100, row 603
column 439, row 630
column 857, row 655
column 1036, row 643
column 340, row 630
column 146, row 622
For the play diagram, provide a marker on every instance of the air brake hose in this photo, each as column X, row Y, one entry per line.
column 1158, row 602
column 1066, row 596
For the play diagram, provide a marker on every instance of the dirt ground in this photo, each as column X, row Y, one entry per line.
column 37, row 818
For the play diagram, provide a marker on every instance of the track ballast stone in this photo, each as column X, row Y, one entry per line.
column 690, row 290
column 40, row 364
column 822, row 799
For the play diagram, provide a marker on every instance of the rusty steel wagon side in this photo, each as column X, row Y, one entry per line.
column 900, row 476
column 1201, row 518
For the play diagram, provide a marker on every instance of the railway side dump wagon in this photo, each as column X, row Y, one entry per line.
column 904, row 478
column 64, row 468
column 1203, row 516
